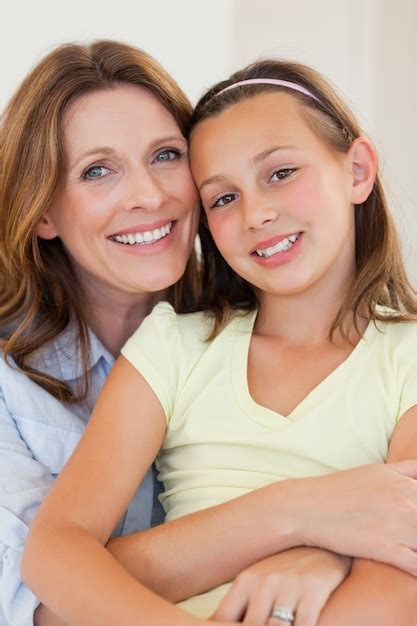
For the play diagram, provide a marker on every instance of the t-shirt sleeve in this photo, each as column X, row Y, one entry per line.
column 407, row 369
column 155, row 351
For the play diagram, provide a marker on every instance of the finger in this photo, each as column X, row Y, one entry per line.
column 260, row 605
column 408, row 468
column 274, row 621
column 309, row 609
column 286, row 600
column 403, row 558
column 233, row 606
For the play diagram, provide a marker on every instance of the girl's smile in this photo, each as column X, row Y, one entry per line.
column 278, row 250
column 275, row 196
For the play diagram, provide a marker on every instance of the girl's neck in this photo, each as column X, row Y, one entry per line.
column 304, row 319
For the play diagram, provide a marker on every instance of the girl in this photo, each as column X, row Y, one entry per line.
column 310, row 310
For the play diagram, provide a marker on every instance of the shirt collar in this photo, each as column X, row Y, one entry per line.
column 62, row 357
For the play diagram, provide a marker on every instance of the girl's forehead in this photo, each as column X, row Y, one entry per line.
column 272, row 117
column 270, row 112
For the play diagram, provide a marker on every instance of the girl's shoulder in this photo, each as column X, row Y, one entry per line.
column 397, row 337
column 189, row 326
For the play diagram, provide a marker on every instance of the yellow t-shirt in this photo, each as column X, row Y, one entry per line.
column 221, row 444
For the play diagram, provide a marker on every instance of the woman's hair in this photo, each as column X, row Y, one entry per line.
column 380, row 274
column 39, row 293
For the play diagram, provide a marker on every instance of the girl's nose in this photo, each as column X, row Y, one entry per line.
column 258, row 211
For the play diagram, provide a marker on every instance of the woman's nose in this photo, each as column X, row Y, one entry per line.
column 144, row 191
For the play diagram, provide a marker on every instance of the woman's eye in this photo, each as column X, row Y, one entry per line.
column 285, row 172
column 223, row 200
column 96, row 171
column 167, row 155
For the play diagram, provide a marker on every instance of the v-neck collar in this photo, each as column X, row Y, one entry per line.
column 267, row 417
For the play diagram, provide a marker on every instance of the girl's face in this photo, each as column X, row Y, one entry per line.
column 279, row 202
column 126, row 209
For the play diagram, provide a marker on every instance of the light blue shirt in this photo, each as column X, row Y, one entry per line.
column 37, row 435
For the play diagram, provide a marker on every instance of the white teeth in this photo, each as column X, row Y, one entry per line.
column 284, row 244
column 148, row 237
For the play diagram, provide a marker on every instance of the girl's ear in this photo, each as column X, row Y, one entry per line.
column 46, row 229
column 364, row 163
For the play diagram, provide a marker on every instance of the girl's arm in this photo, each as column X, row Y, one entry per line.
column 376, row 593
column 65, row 562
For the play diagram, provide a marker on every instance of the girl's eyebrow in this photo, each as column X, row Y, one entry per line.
column 258, row 158
column 265, row 153
column 213, row 179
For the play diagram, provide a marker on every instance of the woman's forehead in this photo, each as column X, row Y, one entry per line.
column 123, row 112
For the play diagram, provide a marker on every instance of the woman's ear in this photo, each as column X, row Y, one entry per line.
column 364, row 163
column 46, row 229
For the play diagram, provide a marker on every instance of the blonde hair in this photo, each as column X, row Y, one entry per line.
column 39, row 294
column 380, row 274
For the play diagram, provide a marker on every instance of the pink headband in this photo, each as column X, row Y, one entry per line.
column 271, row 81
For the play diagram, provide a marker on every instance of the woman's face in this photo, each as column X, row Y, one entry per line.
column 126, row 207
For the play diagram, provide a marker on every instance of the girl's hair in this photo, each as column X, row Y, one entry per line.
column 39, row 294
column 380, row 274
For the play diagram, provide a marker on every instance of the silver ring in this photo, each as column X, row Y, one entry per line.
column 283, row 613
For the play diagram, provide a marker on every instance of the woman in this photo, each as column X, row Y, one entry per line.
column 98, row 214
column 73, row 287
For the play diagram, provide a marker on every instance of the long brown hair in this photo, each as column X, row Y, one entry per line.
column 380, row 274
column 39, row 294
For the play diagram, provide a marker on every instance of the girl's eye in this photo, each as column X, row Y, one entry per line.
column 96, row 171
column 285, row 172
column 167, row 155
column 223, row 200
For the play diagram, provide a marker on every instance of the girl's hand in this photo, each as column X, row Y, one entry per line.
column 301, row 579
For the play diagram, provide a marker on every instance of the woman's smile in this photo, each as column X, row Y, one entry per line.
column 127, row 209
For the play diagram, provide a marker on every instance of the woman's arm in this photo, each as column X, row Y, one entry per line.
column 376, row 593
column 24, row 482
column 339, row 512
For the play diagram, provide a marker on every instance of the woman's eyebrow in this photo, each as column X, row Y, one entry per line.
column 167, row 139
column 108, row 150
column 91, row 152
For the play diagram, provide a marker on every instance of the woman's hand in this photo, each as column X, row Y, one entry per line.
column 301, row 579
column 368, row 512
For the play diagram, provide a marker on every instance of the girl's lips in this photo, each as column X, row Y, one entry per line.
column 280, row 258
column 272, row 241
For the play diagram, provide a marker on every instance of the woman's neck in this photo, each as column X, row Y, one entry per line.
column 113, row 316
